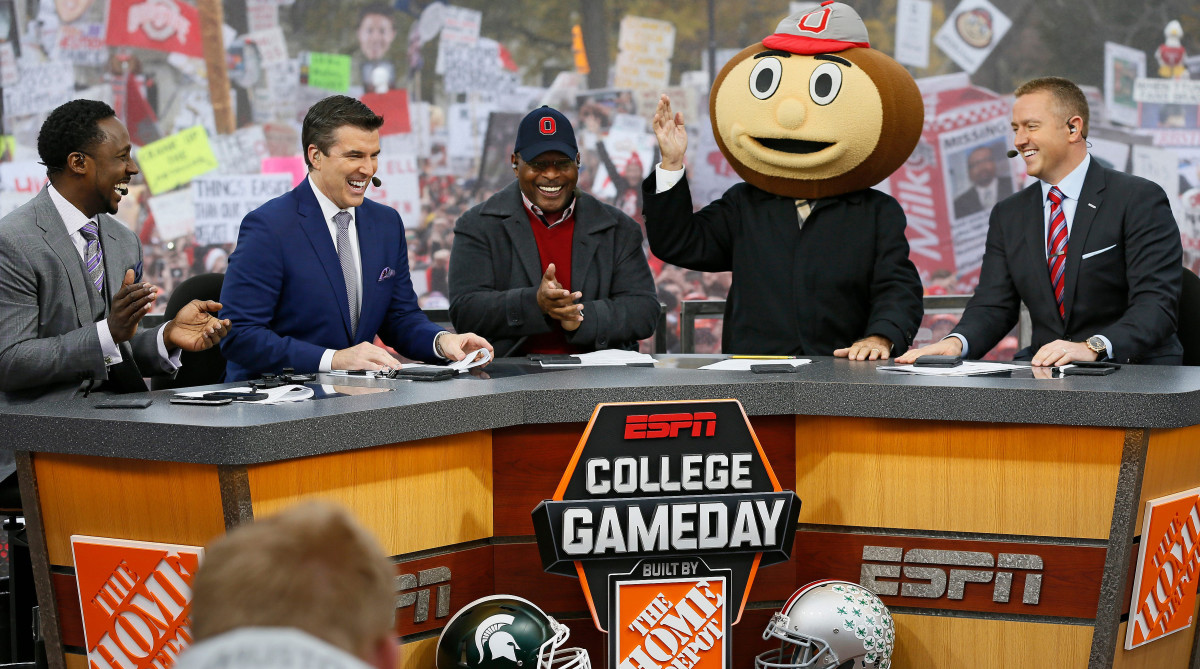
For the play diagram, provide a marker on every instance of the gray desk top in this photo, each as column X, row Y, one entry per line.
column 1137, row 397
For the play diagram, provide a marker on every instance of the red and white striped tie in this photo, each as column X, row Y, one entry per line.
column 1056, row 244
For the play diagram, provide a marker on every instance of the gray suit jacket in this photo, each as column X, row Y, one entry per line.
column 495, row 271
column 49, row 344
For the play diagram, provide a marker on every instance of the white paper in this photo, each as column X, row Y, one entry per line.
column 1162, row 167
column 279, row 395
column 609, row 357
column 971, row 33
column 1123, row 66
column 965, row 369
column 476, row 358
column 912, row 32
column 744, row 364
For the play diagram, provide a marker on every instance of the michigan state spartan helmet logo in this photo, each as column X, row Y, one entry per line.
column 491, row 641
column 506, row 632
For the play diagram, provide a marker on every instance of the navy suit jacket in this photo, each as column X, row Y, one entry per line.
column 285, row 294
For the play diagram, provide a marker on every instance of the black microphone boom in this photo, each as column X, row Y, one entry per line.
column 377, row 183
column 1011, row 154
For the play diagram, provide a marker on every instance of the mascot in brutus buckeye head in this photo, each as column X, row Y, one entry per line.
column 810, row 118
column 813, row 110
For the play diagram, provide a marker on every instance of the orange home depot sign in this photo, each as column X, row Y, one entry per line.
column 671, row 623
column 136, row 600
column 1164, row 585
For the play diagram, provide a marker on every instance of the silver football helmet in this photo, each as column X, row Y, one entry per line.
column 830, row 625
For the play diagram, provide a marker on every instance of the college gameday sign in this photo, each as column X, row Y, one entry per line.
column 665, row 512
column 136, row 600
column 1164, row 583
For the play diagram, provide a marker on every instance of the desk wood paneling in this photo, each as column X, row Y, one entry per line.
column 414, row 496
column 960, row 477
column 112, row 497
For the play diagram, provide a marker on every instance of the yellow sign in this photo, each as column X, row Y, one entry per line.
column 174, row 161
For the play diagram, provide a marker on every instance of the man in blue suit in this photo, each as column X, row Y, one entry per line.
column 319, row 271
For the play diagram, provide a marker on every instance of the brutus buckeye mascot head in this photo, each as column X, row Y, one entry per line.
column 813, row 111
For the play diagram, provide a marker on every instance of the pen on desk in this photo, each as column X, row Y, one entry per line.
column 762, row 357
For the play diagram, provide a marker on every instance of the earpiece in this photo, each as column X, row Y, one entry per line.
column 514, row 166
column 1072, row 128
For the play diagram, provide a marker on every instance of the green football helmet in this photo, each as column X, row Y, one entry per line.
column 506, row 632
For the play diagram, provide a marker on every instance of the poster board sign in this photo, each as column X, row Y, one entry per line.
column 221, row 202
column 173, row 161
column 136, row 599
column 1168, row 564
column 1123, row 66
column 912, row 32
column 971, row 33
column 162, row 25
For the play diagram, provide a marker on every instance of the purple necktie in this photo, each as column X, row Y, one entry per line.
column 93, row 256
column 1056, row 244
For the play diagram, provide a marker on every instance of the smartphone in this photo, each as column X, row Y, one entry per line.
column 124, row 403
column 241, row 397
column 201, row 400
column 424, row 373
column 938, row 361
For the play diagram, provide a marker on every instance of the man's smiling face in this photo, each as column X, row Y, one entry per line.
column 548, row 180
column 344, row 173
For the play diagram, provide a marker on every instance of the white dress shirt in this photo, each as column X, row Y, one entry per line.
column 74, row 220
column 329, row 210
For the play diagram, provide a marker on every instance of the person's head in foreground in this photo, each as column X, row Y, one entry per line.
column 305, row 587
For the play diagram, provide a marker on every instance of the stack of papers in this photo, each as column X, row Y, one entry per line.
column 744, row 364
column 966, row 369
column 280, row 395
column 607, row 358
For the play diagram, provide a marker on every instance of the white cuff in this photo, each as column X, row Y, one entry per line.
column 326, row 361
column 171, row 359
column 665, row 180
column 960, row 338
column 108, row 347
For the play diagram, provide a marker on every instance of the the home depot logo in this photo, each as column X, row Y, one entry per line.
column 1164, row 585
column 136, row 599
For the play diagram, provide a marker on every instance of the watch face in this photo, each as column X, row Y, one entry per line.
column 1096, row 344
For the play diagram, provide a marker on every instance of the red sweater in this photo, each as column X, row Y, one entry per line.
column 554, row 246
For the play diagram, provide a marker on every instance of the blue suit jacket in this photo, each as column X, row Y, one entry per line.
column 285, row 294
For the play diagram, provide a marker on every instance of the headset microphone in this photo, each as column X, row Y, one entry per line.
column 376, row 182
column 1012, row 154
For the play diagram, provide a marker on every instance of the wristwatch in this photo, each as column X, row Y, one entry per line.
column 1097, row 345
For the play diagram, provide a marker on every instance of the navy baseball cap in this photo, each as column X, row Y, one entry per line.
column 545, row 129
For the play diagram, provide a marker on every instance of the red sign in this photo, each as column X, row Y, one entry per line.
column 162, row 25
column 393, row 107
column 668, row 425
column 1164, row 585
column 136, row 600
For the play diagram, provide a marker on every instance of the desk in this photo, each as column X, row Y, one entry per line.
column 446, row 475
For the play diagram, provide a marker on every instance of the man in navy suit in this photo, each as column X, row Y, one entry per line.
column 1094, row 253
column 319, row 271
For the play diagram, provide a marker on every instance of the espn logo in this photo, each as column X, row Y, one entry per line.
column 669, row 425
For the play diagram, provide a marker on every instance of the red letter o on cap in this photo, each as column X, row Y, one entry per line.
column 547, row 125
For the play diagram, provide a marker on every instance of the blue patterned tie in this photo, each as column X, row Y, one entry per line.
column 346, row 256
column 93, row 256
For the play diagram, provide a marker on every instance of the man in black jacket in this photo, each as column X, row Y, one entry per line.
column 833, row 279
column 1094, row 253
column 541, row 266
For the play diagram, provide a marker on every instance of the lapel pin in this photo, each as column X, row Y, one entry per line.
column 1091, row 205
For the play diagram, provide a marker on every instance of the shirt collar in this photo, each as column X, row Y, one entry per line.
column 537, row 211
column 69, row 213
column 328, row 208
column 1072, row 184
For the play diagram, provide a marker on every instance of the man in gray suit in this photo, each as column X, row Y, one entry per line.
column 541, row 266
column 71, row 295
